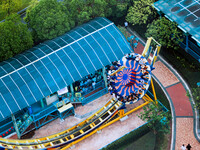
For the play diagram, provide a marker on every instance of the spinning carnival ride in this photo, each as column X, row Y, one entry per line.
column 132, row 80
column 129, row 80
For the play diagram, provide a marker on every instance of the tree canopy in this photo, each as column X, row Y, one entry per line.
column 84, row 10
column 165, row 32
column 48, row 19
column 10, row 6
column 157, row 120
column 15, row 37
column 140, row 12
column 196, row 96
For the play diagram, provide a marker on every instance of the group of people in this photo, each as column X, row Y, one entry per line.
column 88, row 83
column 188, row 147
column 145, row 70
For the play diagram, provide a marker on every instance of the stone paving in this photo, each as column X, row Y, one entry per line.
column 181, row 102
column 184, row 133
column 184, row 127
column 97, row 140
column 110, row 133
column 164, row 75
column 58, row 125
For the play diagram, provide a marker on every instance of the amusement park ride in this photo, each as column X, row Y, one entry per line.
column 128, row 82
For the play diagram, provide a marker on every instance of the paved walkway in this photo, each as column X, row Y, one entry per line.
column 182, row 112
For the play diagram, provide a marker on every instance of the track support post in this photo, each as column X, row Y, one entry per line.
column 121, row 113
column 154, row 92
column 104, row 76
column 15, row 126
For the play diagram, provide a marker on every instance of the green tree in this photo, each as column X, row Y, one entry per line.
column 48, row 19
column 157, row 120
column 196, row 96
column 165, row 32
column 141, row 12
column 121, row 9
column 10, row 6
column 15, row 37
column 118, row 8
column 96, row 8
column 84, row 10
column 78, row 10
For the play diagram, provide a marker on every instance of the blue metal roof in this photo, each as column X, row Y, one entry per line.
column 52, row 65
column 186, row 13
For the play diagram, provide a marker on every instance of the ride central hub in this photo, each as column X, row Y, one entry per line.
column 126, row 76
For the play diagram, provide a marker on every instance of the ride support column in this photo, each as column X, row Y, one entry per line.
column 104, row 76
column 15, row 126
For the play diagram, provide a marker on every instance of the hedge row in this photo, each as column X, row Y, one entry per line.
column 128, row 138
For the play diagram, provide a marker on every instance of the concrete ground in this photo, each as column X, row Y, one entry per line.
column 97, row 140
column 81, row 113
column 110, row 133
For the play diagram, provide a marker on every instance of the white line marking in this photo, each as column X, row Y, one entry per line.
column 15, row 83
column 37, row 70
column 56, row 50
column 92, row 49
column 112, row 37
column 6, row 103
column 31, row 77
column 100, row 47
column 71, row 59
column 78, row 55
column 63, row 62
column 106, row 42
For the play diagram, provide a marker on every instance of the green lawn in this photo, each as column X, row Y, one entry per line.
column 146, row 142
column 162, row 141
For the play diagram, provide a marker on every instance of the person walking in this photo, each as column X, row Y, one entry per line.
column 188, row 147
column 93, row 85
column 126, row 24
column 183, row 147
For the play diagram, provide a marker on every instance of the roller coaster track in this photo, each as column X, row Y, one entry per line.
column 75, row 133
column 102, row 118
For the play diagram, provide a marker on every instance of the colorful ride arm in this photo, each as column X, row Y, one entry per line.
column 149, row 50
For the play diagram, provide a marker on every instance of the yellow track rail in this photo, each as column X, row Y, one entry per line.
column 82, row 129
column 147, row 50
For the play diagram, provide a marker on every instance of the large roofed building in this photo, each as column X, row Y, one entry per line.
column 186, row 13
column 55, row 64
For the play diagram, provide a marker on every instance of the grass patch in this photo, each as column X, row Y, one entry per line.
column 128, row 138
column 146, row 142
column 162, row 141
